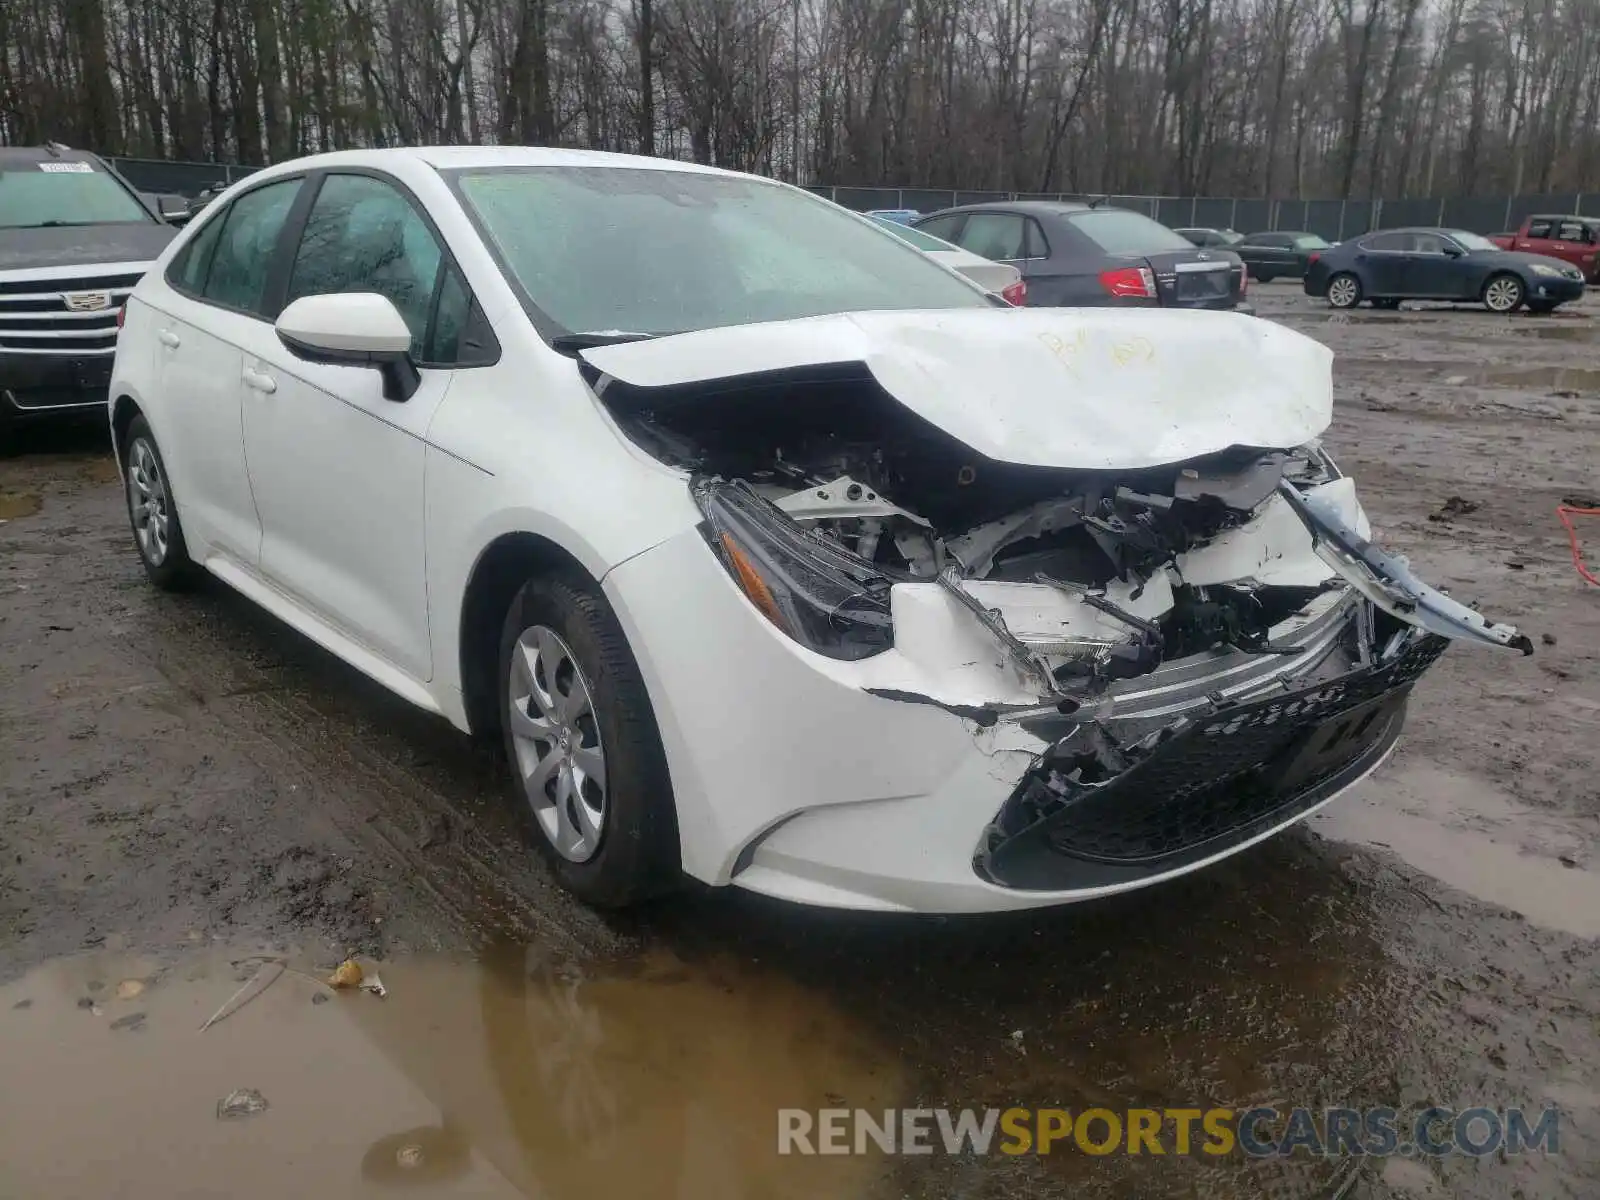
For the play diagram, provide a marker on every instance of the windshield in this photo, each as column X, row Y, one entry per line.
column 64, row 193
column 922, row 241
column 1118, row 231
column 1471, row 241
column 663, row 251
column 1310, row 241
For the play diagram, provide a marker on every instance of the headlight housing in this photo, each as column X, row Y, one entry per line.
column 1547, row 272
column 811, row 588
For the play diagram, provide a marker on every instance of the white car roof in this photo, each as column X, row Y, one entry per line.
column 448, row 157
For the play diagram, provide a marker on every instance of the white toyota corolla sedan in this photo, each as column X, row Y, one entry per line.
column 777, row 554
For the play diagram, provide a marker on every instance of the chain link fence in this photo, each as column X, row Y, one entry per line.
column 1332, row 219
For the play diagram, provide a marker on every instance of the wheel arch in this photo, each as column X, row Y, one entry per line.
column 499, row 572
column 123, row 410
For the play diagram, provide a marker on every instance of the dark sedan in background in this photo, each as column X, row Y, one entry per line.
column 1282, row 254
column 1392, row 265
column 1081, row 254
column 1207, row 238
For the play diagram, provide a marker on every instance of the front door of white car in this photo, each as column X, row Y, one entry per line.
column 220, row 279
column 336, row 467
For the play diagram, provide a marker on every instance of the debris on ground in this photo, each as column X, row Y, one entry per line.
column 134, row 1021
column 266, row 975
column 22, row 1004
column 1456, row 506
column 374, row 985
column 85, row 1001
column 348, row 974
column 243, row 1102
column 320, row 998
column 1549, row 639
column 1016, row 1041
column 130, row 988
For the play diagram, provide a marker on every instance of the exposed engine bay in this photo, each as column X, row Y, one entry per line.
column 822, row 492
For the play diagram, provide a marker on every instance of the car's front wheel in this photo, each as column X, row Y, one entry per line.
column 589, row 773
column 1503, row 294
column 157, row 532
column 1344, row 290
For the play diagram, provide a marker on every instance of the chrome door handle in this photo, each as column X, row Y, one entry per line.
column 259, row 381
column 169, row 339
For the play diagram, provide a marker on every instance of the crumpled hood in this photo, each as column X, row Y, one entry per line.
column 1080, row 388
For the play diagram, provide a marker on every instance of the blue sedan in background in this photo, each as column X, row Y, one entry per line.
column 1391, row 265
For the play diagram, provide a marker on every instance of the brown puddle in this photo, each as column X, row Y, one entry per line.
column 1466, row 834
column 18, row 504
column 1560, row 379
column 496, row 1077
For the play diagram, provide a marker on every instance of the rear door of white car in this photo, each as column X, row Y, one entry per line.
column 219, row 295
column 337, row 470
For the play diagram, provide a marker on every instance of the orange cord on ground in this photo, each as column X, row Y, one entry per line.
column 1566, row 512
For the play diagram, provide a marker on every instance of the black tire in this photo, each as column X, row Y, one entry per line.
column 166, row 558
column 1503, row 284
column 1388, row 305
column 1262, row 276
column 1345, row 297
column 637, row 855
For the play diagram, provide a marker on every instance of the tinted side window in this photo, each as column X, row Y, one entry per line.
column 364, row 236
column 188, row 270
column 244, row 253
column 1539, row 229
column 1386, row 241
column 1571, row 232
column 993, row 235
column 942, row 227
column 1427, row 243
column 1035, row 245
column 450, row 316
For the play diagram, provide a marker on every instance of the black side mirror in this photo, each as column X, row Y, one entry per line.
column 1451, row 250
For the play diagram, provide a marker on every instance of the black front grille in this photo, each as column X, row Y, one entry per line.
column 1094, row 812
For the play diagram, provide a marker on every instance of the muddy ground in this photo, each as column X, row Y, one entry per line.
column 185, row 786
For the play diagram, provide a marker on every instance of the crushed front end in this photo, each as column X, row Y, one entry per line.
column 1155, row 665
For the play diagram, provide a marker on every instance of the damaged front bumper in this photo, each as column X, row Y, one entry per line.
column 935, row 777
column 1113, row 804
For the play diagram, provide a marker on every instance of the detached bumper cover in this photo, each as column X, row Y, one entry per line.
column 1093, row 813
column 1386, row 579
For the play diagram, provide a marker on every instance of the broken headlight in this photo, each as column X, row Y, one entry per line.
column 809, row 586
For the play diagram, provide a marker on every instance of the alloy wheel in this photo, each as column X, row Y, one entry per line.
column 556, row 741
column 1503, row 294
column 148, row 502
column 1343, row 292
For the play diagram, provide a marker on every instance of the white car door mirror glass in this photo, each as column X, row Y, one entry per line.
column 355, row 329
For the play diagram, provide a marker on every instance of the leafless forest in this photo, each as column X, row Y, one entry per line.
column 1332, row 98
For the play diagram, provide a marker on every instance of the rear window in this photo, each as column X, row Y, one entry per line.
column 36, row 195
column 1118, row 231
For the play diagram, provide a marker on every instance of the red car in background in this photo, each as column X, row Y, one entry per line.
column 1573, row 239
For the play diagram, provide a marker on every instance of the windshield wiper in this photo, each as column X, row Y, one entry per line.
column 571, row 343
column 57, row 225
